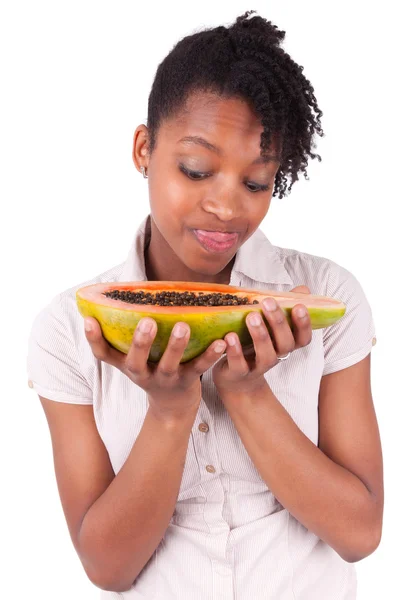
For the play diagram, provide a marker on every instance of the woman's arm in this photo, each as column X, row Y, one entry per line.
column 336, row 489
column 116, row 522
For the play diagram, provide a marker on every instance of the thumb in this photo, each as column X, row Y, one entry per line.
column 91, row 327
column 302, row 289
column 101, row 349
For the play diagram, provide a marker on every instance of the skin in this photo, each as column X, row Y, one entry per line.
column 221, row 201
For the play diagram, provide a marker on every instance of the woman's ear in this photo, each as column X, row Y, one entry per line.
column 140, row 150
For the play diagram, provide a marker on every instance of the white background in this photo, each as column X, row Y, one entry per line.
column 75, row 79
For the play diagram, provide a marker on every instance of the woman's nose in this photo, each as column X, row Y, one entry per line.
column 223, row 211
column 222, row 201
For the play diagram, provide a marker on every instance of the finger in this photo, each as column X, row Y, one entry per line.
column 138, row 355
column 170, row 361
column 282, row 335
column 234, row 354
column 302, row 331
column 101, row 349
column 202, row 363
column 264, row 349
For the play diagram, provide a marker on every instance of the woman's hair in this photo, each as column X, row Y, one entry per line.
column 243, row 61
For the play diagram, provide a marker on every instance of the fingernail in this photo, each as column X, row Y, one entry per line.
column 145, row 326
column 301, row 312
column 88, row 325
column 231, row 340
column 270, row 304
column 255, row 319
column 179, row 331
column 219, row 346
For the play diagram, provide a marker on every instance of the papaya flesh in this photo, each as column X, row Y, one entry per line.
column 118, row 318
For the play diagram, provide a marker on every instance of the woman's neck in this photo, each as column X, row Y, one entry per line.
column 154, row 273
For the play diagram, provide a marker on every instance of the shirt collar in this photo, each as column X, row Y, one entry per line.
column 256, row 259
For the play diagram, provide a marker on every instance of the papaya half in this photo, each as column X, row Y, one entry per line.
column 211, row 311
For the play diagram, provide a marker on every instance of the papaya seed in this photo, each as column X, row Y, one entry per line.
column 168, row 298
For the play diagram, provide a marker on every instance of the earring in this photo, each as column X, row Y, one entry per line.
column 144, row 172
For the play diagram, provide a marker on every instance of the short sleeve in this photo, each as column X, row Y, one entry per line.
column 351, row 338
column 53, row 364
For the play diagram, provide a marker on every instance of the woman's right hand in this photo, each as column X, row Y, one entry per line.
column 174, row 389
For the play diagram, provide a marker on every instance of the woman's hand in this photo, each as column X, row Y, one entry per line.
column 234, row 374
column 174, row 389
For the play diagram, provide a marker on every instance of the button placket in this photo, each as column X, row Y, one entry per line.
column 204, row 445
column 204, row 428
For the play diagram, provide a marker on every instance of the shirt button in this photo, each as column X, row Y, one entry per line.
column 374, row 341
column 203, row 427
column 30, row 383
column 210, row 469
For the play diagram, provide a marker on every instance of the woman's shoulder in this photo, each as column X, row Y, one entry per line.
column 61, row 315
column 352, row 337
column 58, row 353
column 317, row 272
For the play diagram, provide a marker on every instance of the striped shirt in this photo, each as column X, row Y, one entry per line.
column 228, row 538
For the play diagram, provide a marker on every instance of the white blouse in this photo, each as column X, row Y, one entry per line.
column 228, row 538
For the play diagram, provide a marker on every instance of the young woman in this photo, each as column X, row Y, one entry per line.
column 239, row 475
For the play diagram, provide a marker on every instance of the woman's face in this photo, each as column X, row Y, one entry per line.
column 194, row 187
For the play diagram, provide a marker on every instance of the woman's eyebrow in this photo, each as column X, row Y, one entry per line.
column 196, row 139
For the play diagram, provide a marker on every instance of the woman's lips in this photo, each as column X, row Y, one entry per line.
column 216, row 241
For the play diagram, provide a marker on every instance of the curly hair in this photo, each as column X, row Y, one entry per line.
column 243, row 61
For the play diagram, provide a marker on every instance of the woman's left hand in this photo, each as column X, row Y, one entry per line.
column 243, row 371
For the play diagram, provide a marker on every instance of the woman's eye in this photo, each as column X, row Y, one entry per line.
column 192, row 174
column 258, row 188
column 197, row 176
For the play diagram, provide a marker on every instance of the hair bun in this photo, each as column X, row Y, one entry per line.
column 270, row 32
